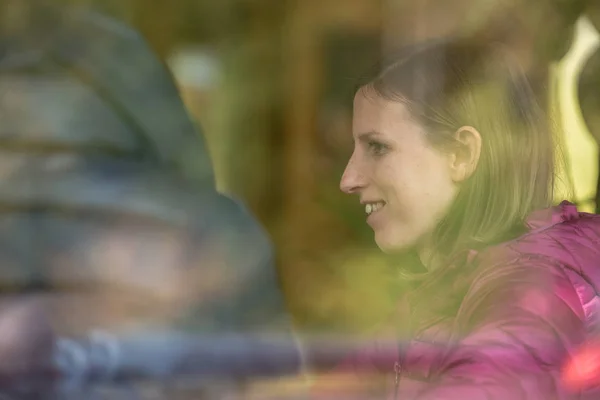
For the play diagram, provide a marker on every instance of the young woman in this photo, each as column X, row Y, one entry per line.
column 454, row 160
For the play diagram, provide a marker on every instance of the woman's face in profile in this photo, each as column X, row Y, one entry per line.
column 403, row 183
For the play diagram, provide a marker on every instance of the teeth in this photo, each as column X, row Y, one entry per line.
column 371, row 208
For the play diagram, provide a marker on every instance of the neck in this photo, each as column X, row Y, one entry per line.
column 426, row 253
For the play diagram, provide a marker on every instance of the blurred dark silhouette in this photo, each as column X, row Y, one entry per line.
column 108, row 204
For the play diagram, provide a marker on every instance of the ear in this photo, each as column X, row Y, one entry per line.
column 465, row 157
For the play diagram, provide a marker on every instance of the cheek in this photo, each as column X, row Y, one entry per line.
column 438, row 192
column 421, row 177
column 436, row 181
column 393, row 179
column 405, row 179
column 434, row 168
column 424, row 183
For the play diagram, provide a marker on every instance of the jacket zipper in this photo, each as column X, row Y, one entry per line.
column 397, row 373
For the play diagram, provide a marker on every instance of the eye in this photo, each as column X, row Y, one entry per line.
column 377, row 148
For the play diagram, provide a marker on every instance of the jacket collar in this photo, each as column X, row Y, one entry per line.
column 548, row 217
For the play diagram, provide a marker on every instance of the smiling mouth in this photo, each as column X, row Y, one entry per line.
column 371, row 208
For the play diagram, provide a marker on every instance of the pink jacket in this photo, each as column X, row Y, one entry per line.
column 530, row 305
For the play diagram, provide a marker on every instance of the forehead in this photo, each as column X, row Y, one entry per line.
column 374, row 113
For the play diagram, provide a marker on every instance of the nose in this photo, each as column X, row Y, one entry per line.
column 353, row 180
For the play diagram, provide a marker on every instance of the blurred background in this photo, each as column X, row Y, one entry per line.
column 271, row 81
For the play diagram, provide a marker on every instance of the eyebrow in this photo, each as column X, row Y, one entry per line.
column 366, row 136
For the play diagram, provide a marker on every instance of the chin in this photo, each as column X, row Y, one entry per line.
column 392, row 244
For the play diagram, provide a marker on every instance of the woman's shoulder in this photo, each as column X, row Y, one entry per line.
column 561, row 247
column 564, row 235
column 560, row 234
